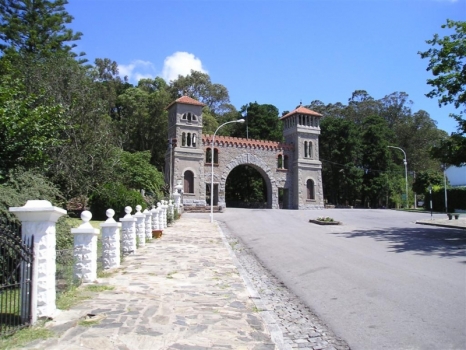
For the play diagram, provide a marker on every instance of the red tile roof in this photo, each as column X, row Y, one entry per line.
column 302, row 110
column 187, row 101
column 242, row 142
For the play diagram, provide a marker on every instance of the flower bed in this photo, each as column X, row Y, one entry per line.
column 325, row 220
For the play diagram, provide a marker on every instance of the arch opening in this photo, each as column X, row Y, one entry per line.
column 246, row 187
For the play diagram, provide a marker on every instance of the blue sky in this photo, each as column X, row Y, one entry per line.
column 279, row 52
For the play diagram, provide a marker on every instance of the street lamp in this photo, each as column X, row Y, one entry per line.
column 406, row 171
column 430, row 198
column 212, row 171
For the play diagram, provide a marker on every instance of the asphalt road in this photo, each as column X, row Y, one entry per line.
column 379, row 280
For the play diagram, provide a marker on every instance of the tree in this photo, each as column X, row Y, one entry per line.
column 447, row 62
column 376, row 159
column 340, row 153
column 28, row 130
column 199, row 86
column 36, row 26
column 424, row 179
column 262, row 123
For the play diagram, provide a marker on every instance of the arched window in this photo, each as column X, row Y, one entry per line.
column 280, row 162
column 183, row 117
column 188, row 140
column 305, row 149
column 188, row 182
column 285, row 162
column 183, row 139
column 310, row 189
column 208, row 155
column 194, row 140
column 310, row 150
column 215, row 156
column 189, row 117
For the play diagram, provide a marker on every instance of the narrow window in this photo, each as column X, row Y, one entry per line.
column 285, row 162
column 215, row 156
column 305, row 149
column 184, row 116
column 310, row 189
column 194, row 140
column 188, row 182
column 208, row 155
column 189, row 117
column 183, row 139
column 280, row 162
column 310, row 150
column 188, row 141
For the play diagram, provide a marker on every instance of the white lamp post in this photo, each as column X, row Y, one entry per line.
column 212, row 172
column 406, row 171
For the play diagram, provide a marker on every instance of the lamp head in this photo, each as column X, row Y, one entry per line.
column 240, row 121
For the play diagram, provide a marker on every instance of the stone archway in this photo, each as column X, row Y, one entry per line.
column 258, row 164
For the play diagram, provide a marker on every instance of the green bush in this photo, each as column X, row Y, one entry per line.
column 21, row 186
column 115, row 196
column 456, row 198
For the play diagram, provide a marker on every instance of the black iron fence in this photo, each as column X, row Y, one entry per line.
column 16, row 266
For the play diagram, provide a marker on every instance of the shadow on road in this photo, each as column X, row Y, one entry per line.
column 443, row 242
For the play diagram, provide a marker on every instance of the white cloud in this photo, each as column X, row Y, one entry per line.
column 180, row 63
column 136, row 70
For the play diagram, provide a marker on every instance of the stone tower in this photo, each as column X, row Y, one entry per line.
column 301, row 128
column 185, row 155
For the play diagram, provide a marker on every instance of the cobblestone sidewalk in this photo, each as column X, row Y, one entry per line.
column 180, row 292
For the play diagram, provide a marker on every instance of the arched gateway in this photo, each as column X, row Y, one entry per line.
column 291, row 168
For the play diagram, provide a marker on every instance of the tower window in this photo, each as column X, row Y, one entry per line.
column 285, row 162
column 280, row 162
column 310, row 189
column 188, row 181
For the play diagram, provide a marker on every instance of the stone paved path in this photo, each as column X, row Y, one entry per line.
column 180, row 292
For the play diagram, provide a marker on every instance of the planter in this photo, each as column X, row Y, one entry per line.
column 157, row 233
column 325, row 223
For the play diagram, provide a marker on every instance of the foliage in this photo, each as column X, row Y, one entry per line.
column 65, row 239
column 37, row 27
column 245, row 187
column 325, row 219
column 447, row 62
column 199, row 86
column 142, row 119
column 138, row 174
column 23, row 185
column 28, row 129
column 262, row 123
column 424, row 179
column 456, row 198
column 115, row 196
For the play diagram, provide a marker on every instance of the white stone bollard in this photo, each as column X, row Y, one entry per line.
column 155, row 218
column 177, row 197
column 171, row 209
column 85, row 249
column 38, row 219
column 110, row 241
column 128, row 232
column 140, row 227
column 164, row 209
column 159, row 208
column 148, row 223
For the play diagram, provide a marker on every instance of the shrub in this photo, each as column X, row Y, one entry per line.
column 115, row 196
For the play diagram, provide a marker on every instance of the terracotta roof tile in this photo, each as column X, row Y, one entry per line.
column 187, row 101
column 238, row 141
column 302, row 110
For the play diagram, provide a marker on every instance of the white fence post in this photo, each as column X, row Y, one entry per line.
column 128, row 232
column 148, row 223
column 155, row 218
column 85, row 249
column 159, row 208
column 140, row 229
column 110, row 241
column 38, row 219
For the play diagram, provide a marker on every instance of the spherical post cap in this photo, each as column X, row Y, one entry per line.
column 110, row 213
column 86, row 216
